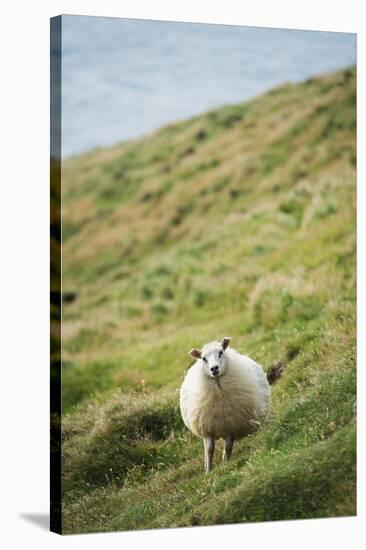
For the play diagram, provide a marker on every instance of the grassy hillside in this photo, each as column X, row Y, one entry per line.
column 238, row 222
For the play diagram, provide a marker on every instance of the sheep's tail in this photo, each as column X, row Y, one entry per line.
column 274, row 373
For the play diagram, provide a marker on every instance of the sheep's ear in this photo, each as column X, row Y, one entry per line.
column 195, row 353
column 225, row 342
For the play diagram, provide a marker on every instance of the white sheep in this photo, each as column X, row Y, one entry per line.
column 224, row 395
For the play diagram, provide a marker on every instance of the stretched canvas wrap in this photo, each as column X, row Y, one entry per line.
column 203, row 196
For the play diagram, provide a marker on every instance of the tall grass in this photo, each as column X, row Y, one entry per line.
column 241, row 222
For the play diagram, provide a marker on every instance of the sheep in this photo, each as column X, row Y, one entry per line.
column 224, row 395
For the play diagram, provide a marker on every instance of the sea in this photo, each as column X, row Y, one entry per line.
column 125, row 78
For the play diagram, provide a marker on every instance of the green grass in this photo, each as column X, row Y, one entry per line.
column 242, row 222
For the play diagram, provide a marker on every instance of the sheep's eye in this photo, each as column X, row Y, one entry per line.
column 205, row 360
column 220, row 353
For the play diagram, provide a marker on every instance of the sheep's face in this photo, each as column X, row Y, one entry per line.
column 213, row 357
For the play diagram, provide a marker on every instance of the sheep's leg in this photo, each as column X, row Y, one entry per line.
column 209, row 452
column 228, row 449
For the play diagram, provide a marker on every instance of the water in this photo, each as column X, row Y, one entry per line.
column 124, row 78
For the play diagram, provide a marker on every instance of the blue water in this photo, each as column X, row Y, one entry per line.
column 124, row 78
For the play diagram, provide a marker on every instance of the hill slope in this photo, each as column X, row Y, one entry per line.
column 241, row 222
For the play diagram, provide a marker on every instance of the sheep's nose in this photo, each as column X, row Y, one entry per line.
column 215, row 370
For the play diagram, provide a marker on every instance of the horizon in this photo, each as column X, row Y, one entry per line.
column 174, row 71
